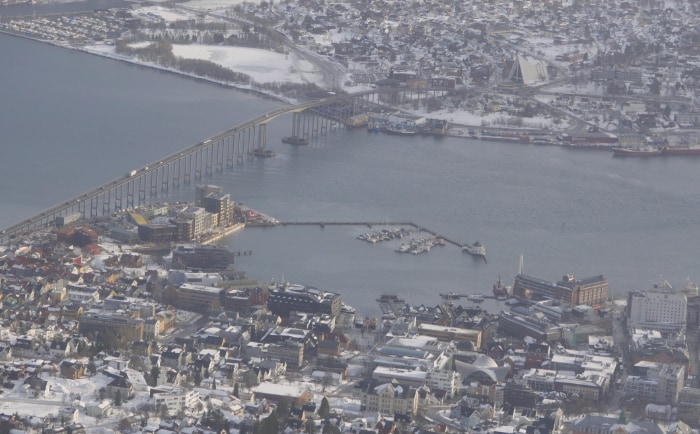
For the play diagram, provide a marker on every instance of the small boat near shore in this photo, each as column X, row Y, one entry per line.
column 642, row 151
column 262, row 152
column 475, row 298
column 295, row 140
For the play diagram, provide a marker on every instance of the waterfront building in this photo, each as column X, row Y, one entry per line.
column 286, row 298
column 592, row 291
column 158, row 233
column 221, row 205
column 203, row 221
column 202, row 257
column 201, row 191
column 660, row 308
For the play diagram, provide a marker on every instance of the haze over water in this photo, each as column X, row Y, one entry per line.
column 77, row 121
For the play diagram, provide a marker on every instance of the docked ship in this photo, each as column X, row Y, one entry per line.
column 475, row 298
column 681, row 150
column 262, row 152
column 295, row 140
column 500, row 290
column 642, row 151
column 476, row 249
column 401, row 130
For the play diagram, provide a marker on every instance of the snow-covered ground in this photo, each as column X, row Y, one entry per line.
column 262, row 65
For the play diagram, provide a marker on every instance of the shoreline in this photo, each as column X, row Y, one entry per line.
column 128, row 60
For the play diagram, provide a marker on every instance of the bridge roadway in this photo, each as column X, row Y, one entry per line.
column 111, row 195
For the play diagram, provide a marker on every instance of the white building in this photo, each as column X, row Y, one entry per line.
column 174, row 399
column 657, row 382
column 443, row 379
column 660, row 308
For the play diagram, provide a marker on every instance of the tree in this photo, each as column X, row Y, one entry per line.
column 327, row 380
column 329, row 428
column 213, row 384
column 282, row 411
column 155, row 373
column 325, row 408
column 249, row 379
column 310, row 427
column 235, row 390
column 118, row 398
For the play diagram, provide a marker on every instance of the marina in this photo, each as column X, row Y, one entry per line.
column 384, row 235
column 415, row 246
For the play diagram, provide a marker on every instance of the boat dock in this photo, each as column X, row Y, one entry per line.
column 416, row 227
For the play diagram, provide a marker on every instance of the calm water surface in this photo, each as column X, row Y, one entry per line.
column 76, row 120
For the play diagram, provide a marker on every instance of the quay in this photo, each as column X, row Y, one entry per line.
column 228, row 231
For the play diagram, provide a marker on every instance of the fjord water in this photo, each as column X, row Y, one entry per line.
column 70, row 121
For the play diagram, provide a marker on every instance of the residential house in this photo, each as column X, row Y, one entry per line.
column 71, row 369
column 99, row 409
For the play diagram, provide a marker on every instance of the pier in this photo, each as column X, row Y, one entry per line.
column 371, row 224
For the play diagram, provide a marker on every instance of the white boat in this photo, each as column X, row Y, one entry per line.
column 476, row 298
column 477, row 249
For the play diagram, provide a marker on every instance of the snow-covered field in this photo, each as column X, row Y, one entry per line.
column 262, row 65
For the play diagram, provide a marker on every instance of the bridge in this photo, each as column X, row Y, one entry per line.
column 224, row 150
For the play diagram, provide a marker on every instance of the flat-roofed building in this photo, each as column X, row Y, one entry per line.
column 592, row 291
column 660, row 308
column 284, row 299
column 447, row 334
column 202, row 257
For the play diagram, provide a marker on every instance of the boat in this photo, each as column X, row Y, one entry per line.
column 681, row 150
column 500, row 290
column 476, row 298
column 295, row 140
column 642, row 151
column 401, row 130
column 262, row 152
column 476, row 249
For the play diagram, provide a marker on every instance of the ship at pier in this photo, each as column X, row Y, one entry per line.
column 500, row 290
